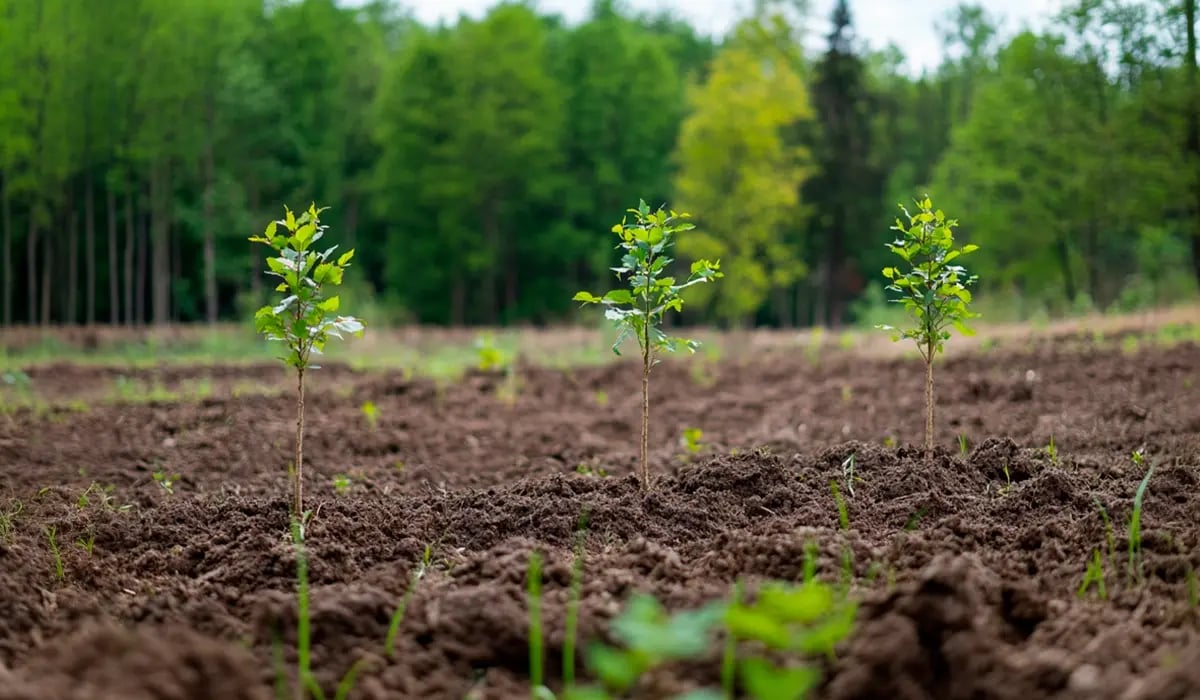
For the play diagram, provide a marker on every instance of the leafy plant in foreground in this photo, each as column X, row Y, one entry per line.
column 639, row 310
column 306, row 317
column 932, row 289
column 1094, row 576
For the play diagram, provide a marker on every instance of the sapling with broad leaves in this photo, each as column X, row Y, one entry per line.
column 932, row 288
column 639, row 309
column 306, row 317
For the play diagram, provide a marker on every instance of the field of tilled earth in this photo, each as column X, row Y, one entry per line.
column 967, row 566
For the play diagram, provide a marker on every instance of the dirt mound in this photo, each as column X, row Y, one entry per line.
column 968, row 563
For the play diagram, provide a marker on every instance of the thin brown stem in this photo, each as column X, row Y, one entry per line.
column 298, row 475
column 929, row 399
column 645, row 417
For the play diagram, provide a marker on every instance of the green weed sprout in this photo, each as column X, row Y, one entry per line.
column 1052, row 451
column 1094, row 576
column 962, row 445
column 639, row 310
column 306, row 681
column 690, row 439
column 7, row 519
column 371, row 413
column 166, row 481
column 571, row 625
column 933, row 290
column 1135, row 529
column 389, row 644
column 52, row 539
column 537, row 653
column 306, row 317
column 341, row 484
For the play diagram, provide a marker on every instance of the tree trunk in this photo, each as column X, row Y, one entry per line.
column 6, row 272
column 47, row 272
column 836, row 245
column 139, row 285
column 114, row 266
column 1193, row 125
column 130, row 253
column 491, row 240
column 160, row 250
column 255, row 275
column 89, row 253
column 71, row 308
column 458, row 300
column 210, row 244
column 1063, row 254
column 351, row 220
column 31, row 244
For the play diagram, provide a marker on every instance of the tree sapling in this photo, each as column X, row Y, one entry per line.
column 638, row 311
column 306, row 317
column 933, row 290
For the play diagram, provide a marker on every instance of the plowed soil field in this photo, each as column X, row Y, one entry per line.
column 967, row 565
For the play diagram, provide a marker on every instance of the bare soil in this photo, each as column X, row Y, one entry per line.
column 967, row 565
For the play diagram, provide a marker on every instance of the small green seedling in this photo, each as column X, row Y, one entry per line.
column 389, row 644
column 166, row 481
column 341, row 484
column 306, row 317
column 87, row 544
column 1094, row 576
column 7, row 520
column 537, row 654
column 690, row 439
column 1193, row 589
column 1052, row 451
column 1004, row 490
column 1135, row 529
column 52, row 538
column 585, row 469
column 639, row 310
column 933, row 290
column 1139, row 457
column 848, row 473
column 571, row 626
column 371, row 413
column 1109, row 537
column 488, row 356
column 601, row 398
column 962, row 445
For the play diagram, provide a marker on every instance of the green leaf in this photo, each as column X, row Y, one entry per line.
column 345, row 258
column 613, row 667
column 586, row 297
column 330, row 305
column 619, row 296
column 767, row 682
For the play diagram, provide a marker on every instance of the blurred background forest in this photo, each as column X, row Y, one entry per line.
column 478, row 166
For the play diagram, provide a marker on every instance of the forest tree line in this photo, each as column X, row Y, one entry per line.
column 478, row 166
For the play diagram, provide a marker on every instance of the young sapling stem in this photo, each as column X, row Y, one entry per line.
column 639, row 309
column 932, row 290
column 306, row 317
